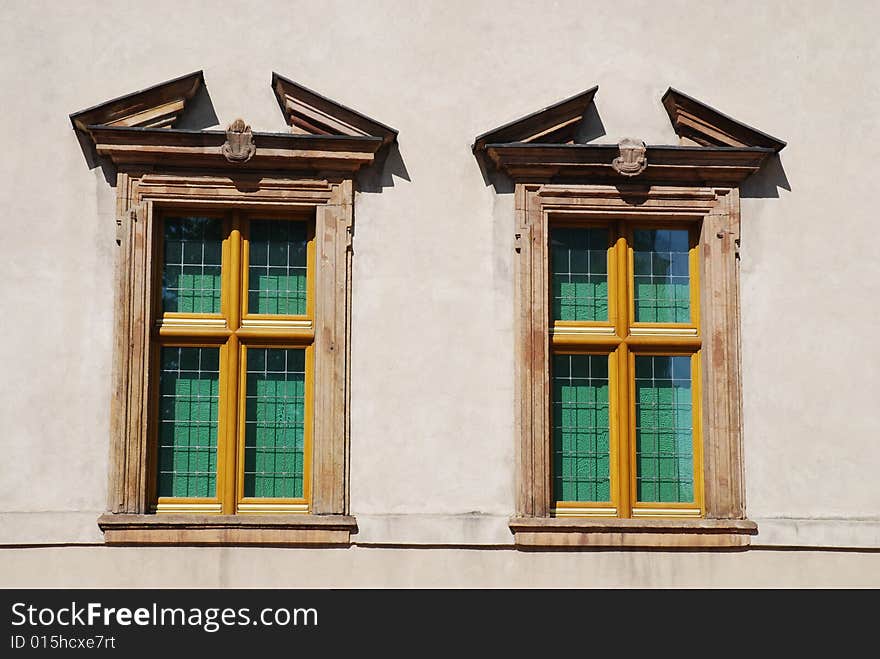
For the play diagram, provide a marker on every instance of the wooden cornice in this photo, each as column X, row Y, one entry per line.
column 666, row 165
column 159, row 106
column 700, row 123
column 555, row 124
column 191, row 148
column 309, row 113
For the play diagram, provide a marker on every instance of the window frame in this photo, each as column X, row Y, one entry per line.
column 592, row 338
column 143, row 198
column 232, row 331
column 715, row 335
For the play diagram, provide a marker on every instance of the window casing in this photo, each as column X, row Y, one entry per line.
column 227, row 322
column 713, row 514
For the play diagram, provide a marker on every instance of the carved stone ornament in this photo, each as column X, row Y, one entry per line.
column 239, row 145
column 632, row 160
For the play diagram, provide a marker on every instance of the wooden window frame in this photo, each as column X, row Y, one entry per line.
column 232, row 331
column 715, row 334
column 621, row 338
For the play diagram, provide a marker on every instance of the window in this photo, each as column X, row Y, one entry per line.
column 231, row 431
column 628, row 391
column 628, row 381
column 229, row 417
column 625, row 395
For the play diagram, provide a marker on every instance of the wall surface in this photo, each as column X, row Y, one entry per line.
column 432, row 440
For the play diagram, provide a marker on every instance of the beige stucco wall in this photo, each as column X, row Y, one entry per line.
column 432, row 398
column 368, row 567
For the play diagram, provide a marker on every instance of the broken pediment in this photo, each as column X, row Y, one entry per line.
column 555, row 124
column 159, row 106
column 309, row 113
column 139, row 130
column 704, row 125
column 715, row 149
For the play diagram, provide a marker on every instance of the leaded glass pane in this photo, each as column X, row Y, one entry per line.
column 277, row 267
column 275, row 423
column 192, row 248
column 189, row 384
column 579, row 265
column 664, row 429
column 581, row 452
column 661, row 275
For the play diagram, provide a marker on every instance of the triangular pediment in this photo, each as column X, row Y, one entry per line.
column 703, row 125
column 309, row 113
column 555, row 124
column 159, row 106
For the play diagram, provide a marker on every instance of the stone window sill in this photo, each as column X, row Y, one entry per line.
column 270, row 530
column 646, row 533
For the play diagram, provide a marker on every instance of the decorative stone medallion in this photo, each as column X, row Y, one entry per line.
column 632, row 160
column 239, row 146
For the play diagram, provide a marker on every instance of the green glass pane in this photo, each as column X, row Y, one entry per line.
column 189, row 388
column 579, row 265
column 192, row 249
column 277, row 265
column 664, row 429
column 274, row 450
column 661, row 275
column 581, row 441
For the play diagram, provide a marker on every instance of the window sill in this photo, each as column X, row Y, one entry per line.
column 274, row 530
column 586, row 532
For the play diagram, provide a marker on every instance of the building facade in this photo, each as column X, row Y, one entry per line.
column 693, row 171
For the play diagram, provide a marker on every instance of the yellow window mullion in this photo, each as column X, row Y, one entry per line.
column 307, row 427
column 228, row 432
column 229, row 402
column 621, row 392
column 694, row 274
column 618, row 285
column 625, row 461
column 697, row 412
column 234, row 274
column 240, row 402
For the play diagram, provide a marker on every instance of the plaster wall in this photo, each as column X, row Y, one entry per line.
column 432, row 450
column 370, row 567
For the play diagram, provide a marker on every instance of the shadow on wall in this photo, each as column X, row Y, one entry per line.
column 591, row 126
column 199, row 114
column 765, row 183
column 93, row 160
column 387, row 164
